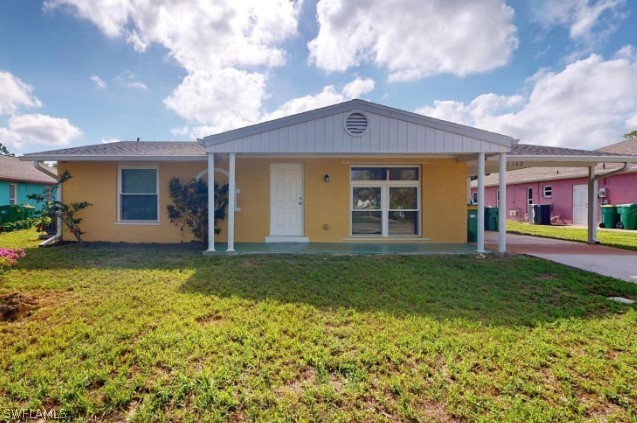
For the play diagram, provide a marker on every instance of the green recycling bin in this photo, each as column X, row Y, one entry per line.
column 472, row 223
column 627, row 216
column 609, row 217
column 491, row 219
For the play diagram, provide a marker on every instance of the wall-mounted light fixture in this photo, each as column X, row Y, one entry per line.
column 326, row 178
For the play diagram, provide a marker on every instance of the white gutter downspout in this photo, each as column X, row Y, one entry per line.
column 58, row 195
column 592, row 186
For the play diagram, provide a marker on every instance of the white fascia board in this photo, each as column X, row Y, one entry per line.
column 93, row 158
column 361, row 105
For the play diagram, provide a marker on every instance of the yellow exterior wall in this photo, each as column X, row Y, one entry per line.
column 443, row 194
column 96, row 182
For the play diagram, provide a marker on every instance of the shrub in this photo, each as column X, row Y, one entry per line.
column 9, row 257
column 190, row 206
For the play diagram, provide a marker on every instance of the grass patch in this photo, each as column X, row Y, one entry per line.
column 611, row 237
column 164, row 333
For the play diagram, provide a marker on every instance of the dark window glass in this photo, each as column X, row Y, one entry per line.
column 139, row 207
column 135, row 181
column 366, row 223
column 368, row 174
column 403, row 174
column 366, row 198
column 403, row 223
column 403, row 198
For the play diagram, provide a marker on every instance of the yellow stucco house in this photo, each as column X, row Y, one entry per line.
column 355, row 171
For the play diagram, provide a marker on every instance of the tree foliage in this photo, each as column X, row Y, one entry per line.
column 190, row 206
column 66, row 213
column 631, row 134
column 5, row 152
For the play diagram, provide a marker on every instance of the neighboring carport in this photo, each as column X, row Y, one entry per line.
column 527, row 155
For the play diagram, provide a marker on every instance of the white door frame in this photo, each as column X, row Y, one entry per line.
column 586, row 214
column 288, row 238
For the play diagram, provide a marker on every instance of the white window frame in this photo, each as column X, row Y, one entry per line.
column 13, row 200
column 474, row 197
column 529, row 201
column 385, row 185
column 119, row 195
column 544, row 189
column 497, row 198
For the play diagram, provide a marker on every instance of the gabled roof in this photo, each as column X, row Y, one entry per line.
column 628, row 146
column 12, row 169
column 126, row 151
column 327, row 125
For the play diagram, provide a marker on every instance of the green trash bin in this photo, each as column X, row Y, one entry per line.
column 609, row 217
column 627, row 216
column 472, row 223
column 491, row 219
column 29, row 211
column 11, row 213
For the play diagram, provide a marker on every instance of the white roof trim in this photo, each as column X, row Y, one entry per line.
column 364, row 106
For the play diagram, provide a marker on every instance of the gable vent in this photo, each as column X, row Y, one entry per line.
column 356, row 124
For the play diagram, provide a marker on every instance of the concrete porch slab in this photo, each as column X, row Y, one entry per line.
column 347, row 248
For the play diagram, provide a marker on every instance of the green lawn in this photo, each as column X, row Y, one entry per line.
column 611, row 237
column 164, row 333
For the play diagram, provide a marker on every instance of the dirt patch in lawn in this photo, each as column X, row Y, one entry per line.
column 15, row 306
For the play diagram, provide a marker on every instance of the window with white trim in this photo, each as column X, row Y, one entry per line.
column 385, row 201
column 547, row 191
column 474, row 197
column 13, row 194
column 138, row 194
column 497, row 198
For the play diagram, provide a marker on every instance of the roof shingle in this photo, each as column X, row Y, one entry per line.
column 13, row 169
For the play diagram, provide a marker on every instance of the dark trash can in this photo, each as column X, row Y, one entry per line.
column 627, row 216
column 472, row 223
column 491, row 218
column 609, row 217
column 541, row 214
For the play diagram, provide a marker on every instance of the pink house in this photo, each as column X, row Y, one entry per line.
column 565, row 188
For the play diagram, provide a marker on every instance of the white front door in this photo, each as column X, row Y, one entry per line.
column 286, row 199
column 580, row 204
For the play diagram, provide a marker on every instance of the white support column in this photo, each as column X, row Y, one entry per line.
column 232, row 195
column 592, row 206
column 481, row 160
column 502, row 207
column 211, row 202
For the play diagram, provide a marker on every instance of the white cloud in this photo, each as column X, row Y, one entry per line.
column 582, row 17
column 109, row 140
column 100, row 84
column 226, row 47
column 414, row 38
column 329, row 95
column 129, row 79
column 358, row 87
column 15, row 94
column 39, row 129
column 590, row 103
column 223, row 98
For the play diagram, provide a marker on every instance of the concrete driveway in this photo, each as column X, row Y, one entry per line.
column 607, row 261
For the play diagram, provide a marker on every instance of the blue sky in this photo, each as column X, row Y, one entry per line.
column 76, row 72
